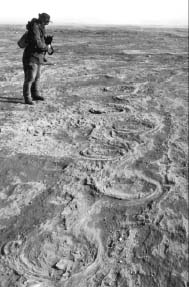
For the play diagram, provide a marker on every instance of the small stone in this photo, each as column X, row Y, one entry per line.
column 36, row 132
column 64, row 264
column 30, row 130
column 96, row 111
column 106, row 89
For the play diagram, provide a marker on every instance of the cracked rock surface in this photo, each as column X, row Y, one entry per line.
column 93, row 181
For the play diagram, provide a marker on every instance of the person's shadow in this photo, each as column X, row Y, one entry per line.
column 11, row 100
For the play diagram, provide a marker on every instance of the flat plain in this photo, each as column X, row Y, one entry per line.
column 93, row 181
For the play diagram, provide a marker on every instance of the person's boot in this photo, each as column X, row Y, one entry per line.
column 26, row 94
column 28, row 101
column 36, row 96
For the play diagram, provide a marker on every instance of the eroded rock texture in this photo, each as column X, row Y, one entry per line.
column 93, row 186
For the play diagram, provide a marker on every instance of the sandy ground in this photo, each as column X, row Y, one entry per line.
column 93, row 186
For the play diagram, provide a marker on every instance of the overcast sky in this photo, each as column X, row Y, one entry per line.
column 128, row 12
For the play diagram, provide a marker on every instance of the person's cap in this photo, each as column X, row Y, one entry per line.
column 45, row 17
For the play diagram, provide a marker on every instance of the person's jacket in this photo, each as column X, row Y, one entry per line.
column 34, row 52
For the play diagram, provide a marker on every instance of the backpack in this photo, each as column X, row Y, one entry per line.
column 23, row 41
column 26, row 37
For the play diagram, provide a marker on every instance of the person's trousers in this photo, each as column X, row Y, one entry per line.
column 32, row 73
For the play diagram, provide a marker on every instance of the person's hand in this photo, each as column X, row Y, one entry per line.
column 48, row 39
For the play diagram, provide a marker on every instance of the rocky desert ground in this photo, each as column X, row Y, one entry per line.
column 93, row 181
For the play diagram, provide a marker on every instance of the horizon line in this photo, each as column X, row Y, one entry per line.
column 106, row 24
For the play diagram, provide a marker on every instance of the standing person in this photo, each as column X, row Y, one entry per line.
column 33, row 57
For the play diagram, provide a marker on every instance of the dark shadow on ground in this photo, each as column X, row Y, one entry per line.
column 11, row 100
